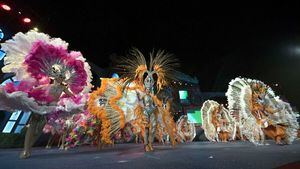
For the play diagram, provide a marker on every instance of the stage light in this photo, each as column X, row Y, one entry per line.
column 294, row 50
column 297, row 50
column 26, row 20
column 19, row 13
column 36, row 29
column 115, row 75
column 5, row 7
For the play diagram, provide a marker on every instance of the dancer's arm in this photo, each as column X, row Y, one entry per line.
column 67, row 91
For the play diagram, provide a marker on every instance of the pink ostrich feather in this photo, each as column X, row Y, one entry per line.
column 10, row 87
column 79, row 81
column 43, row 55
column 39, row 94
column 23, row 86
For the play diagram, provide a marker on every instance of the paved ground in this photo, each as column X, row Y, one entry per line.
column 194, row 155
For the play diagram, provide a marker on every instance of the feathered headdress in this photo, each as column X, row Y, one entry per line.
column 134, row 67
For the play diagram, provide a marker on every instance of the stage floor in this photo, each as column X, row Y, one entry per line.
column 185, row 156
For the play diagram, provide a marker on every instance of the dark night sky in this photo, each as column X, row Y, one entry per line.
column 214, row 44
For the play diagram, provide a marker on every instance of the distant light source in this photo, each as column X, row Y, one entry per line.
column 5, row 7
column 115, row 75
column 26, row 20
column 297, row 50
column 1, row 35
column 294, row 50
column 36, row 29
column 183, row 94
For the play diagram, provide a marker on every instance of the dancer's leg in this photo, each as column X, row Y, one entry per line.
column 34, row 130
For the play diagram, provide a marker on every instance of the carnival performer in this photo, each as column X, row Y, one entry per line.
column 217, row 123
column 186, row 130
column 50, row 79
column 162, row 130
column 56, row 127
column 143, row 81
column 261, row 112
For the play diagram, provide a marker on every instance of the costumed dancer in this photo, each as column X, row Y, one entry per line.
column 186, row 130
column 166, row 105
column 56, row 127
column 145, row 81
column 260, row 112
column 50, row 79
column 217, row 123
column 61, row 123
column 104, row 105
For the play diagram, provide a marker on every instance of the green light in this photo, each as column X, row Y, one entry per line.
column 194, row 116
column 183, row 94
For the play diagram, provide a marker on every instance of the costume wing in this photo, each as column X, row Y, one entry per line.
column 190, row 134
column 209, row 129
column 104, row 104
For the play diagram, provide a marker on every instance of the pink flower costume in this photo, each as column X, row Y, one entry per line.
column 50, row 79
column 45, row 70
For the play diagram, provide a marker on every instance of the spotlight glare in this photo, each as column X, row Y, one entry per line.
column 297, row 50
column 5, row 7
column 26, row 20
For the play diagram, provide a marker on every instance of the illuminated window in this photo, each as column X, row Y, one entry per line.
column 25, row 118
column 19, row 128
column 17, row 119
column 16, row 122
column 2, row 54
column 15, row 115
column 8, row 127
column 1, row 35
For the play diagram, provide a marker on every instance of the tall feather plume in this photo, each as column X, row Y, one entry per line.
column 132, row 67
column 164, row 64
column 209, row 129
